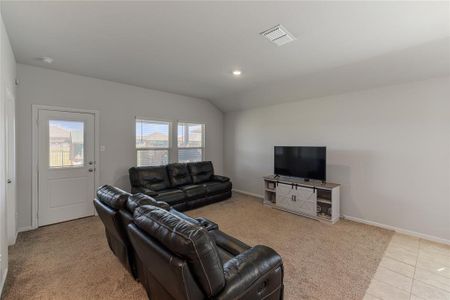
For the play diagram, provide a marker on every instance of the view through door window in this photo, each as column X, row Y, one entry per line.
column 66, row 143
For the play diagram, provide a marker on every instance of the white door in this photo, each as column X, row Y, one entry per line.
column 66, row 166
column 10, row 167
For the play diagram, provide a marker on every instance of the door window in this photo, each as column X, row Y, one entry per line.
column 66, row 143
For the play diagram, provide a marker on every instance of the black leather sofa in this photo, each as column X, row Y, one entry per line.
column 182, row 186
column 115, row 208
column 175, row 256
column 184, row 261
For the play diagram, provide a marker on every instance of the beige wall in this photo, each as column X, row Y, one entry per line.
column 118, row 105
column 388, row 147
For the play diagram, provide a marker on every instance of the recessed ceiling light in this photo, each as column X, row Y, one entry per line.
column 237, row 72
column 46, row 59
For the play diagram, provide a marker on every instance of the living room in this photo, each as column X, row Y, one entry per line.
column 307, row 142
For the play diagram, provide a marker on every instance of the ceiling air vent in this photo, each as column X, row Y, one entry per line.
column 278, row 35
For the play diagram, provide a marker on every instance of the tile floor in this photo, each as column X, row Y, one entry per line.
column 412, row 269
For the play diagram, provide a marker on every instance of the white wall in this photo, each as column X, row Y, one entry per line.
column 118, row 105
column 388, row 147
column 7, row 83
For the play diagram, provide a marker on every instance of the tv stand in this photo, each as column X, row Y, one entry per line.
column 314, row 199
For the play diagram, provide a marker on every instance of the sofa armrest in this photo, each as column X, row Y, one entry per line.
column 144, row 190
column 228, row 243
column 220, row 178
column 208, row 224
column 253, row 274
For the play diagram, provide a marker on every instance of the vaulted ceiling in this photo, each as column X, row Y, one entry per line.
column 191, row 48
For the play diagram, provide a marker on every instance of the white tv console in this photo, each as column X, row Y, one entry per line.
column 313, row 199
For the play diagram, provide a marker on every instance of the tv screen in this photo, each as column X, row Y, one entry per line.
column 303, row 162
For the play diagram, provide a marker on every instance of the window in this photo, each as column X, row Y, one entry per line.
column 66, row 143
column 190, row 142
column 152, row 142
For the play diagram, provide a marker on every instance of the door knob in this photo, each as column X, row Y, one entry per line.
column 91, row 170
column 9, row 181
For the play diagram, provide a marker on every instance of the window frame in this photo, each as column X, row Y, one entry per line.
column 173, row 137
column 169, row 149
column 203, row 147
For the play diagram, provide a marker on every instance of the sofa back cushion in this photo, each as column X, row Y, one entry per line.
column 189, row 241
column 179, row 174
column 112, row 197
column 154, row 178
column 201, row 171
column 139, row 199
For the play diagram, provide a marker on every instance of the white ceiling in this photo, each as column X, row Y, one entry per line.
column 191, row 48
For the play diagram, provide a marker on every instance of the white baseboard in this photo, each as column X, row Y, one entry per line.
column 400, row 230
column 13, row 240
column 26, row 228
column 2, row 284
column 248, row 193
column 384, row 226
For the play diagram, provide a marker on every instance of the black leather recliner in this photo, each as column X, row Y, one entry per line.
column 115, row 208
column 182, row 186
column 108, row 202
column 182, row 260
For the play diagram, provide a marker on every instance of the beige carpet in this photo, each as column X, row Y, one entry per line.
column 72, row 260
column 321, row 261
column 69, row 260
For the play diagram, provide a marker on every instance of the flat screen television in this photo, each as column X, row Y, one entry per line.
column 303, row 162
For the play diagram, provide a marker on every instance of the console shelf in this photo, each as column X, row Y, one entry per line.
column 313, row 199
column 323, row 201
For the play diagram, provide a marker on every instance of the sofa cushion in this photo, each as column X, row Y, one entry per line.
column 179, row 174
column 214, row 187
column 171, row 196
column 139, row 199
column 153, row 178
column 112, row 196
column 193, row 191
column 201, row 171
column 189, row 241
